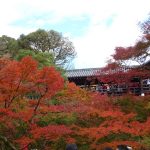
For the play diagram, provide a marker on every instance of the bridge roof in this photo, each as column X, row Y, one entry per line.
column 88, row 72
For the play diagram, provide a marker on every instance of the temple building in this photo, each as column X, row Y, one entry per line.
column 89, row 79
column 85, row 78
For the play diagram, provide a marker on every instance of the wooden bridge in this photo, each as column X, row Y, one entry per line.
column 87, row 79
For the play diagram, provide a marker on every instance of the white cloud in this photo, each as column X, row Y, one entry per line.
column 98, row 44
column 101, row 36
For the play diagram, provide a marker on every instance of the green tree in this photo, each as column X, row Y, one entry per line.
column 43, row 58
column 50, row 41
column 8, row 45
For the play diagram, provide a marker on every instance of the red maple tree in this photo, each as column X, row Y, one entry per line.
column 25, row 92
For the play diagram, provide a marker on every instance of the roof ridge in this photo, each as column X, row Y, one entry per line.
column 84, row 69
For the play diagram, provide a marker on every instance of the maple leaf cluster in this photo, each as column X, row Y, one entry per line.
column 38, row 110
column 25, row 92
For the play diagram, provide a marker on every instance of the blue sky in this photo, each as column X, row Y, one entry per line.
column 67, row 25
column 95, row 27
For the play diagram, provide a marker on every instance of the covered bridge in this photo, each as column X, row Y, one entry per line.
column 87, row 78
column 84, row 78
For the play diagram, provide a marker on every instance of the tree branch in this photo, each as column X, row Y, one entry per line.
column 6, row 142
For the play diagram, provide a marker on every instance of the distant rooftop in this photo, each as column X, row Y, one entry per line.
column 88, row 72
column 83, row 72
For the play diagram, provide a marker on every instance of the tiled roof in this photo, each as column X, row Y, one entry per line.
column 88, row 72
column 92, row 72
column 83, row 72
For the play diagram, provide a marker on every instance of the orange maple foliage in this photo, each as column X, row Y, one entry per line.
column 19, row 115
column 28, row 119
